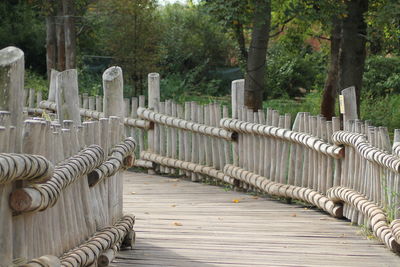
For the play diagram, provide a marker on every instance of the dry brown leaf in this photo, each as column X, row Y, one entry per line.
column 177, row 224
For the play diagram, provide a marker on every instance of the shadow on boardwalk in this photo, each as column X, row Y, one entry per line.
column 180, row 223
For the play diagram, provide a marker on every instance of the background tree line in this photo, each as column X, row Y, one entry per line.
column 291, row 50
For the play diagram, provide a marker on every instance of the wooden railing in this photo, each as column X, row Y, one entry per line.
column 349, row 171
column 60, row 180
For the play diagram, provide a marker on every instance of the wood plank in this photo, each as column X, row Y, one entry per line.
column 179, row 223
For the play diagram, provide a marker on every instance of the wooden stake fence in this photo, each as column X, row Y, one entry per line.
column 351, row 172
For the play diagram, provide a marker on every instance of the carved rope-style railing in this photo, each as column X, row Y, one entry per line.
column 187, row 166
column 97, row 115
column 89, row 252
column 388, row 234
column 32, row 168
column 120, row 157
column 42, row 196
column 175, row 122
column 304, row 139
column 285, row 190
column 367, row 151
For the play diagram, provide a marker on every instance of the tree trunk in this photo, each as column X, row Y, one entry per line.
column 70, row 34
column 331, row 87
column 60, row 38
column 239, row 34
column 352, row 49
column 51, row 44
column 255, row 70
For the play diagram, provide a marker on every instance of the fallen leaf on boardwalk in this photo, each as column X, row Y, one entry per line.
column 294, row 215
column 173, row 206
column 177, row 224
column 236, row 201
column 132, row 193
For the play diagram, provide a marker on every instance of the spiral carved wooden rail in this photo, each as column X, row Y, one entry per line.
column 40, row 197
column 32, row 168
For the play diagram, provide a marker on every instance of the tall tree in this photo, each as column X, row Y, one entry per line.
column 254, row 16
column 255, row 68
column 353, row 46
column 69, row 33
column 331, row 87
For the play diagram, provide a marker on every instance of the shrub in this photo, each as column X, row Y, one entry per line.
column 287, row 72
column 381, row 76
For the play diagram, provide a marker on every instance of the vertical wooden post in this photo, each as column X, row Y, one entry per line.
column 12, row 88
column 237, row 99
column 349, row 104
column 113, row 105
column 237, row 96
column 11, row 93
column 31, row 98
column 99, row 103
column 67, row 95
column 38, row 98
column 153, row 80
column 113, row 102
column 154, row 99
column 52, row 87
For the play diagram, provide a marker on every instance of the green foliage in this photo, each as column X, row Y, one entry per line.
column 310, row 103
column 289, row 70
column 189, row 59
column 192, row 40
column 128, row 31
column 381, row 76
column 36, row 81
column 21, row 26
column 381, row 111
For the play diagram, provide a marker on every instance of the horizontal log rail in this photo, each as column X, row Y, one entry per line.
column 175, row 122
column 34, row 111
column 376, row 215
column 187, row 166
column 144, row 164
column 307, row 140
column 367, row 151
column 97, row 115
column 285, row 190
column 32, row 168
column 120, row 157
column 42, row 196
column 89, row 252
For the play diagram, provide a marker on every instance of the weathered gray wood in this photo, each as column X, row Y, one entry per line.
column 237, row 96
column 67, row 94
column 31, row 98
column 52, row 88
column 153, row 81
column 12, row 84
column 350, row 103
column 113, row 92
column 113, row 106
column 277, row 234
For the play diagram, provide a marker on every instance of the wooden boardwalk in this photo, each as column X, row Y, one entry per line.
column 180, row 223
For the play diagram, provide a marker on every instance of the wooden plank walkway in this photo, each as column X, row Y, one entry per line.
column 180, row 223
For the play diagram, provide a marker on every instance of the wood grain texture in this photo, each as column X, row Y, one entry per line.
column 179, row 223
